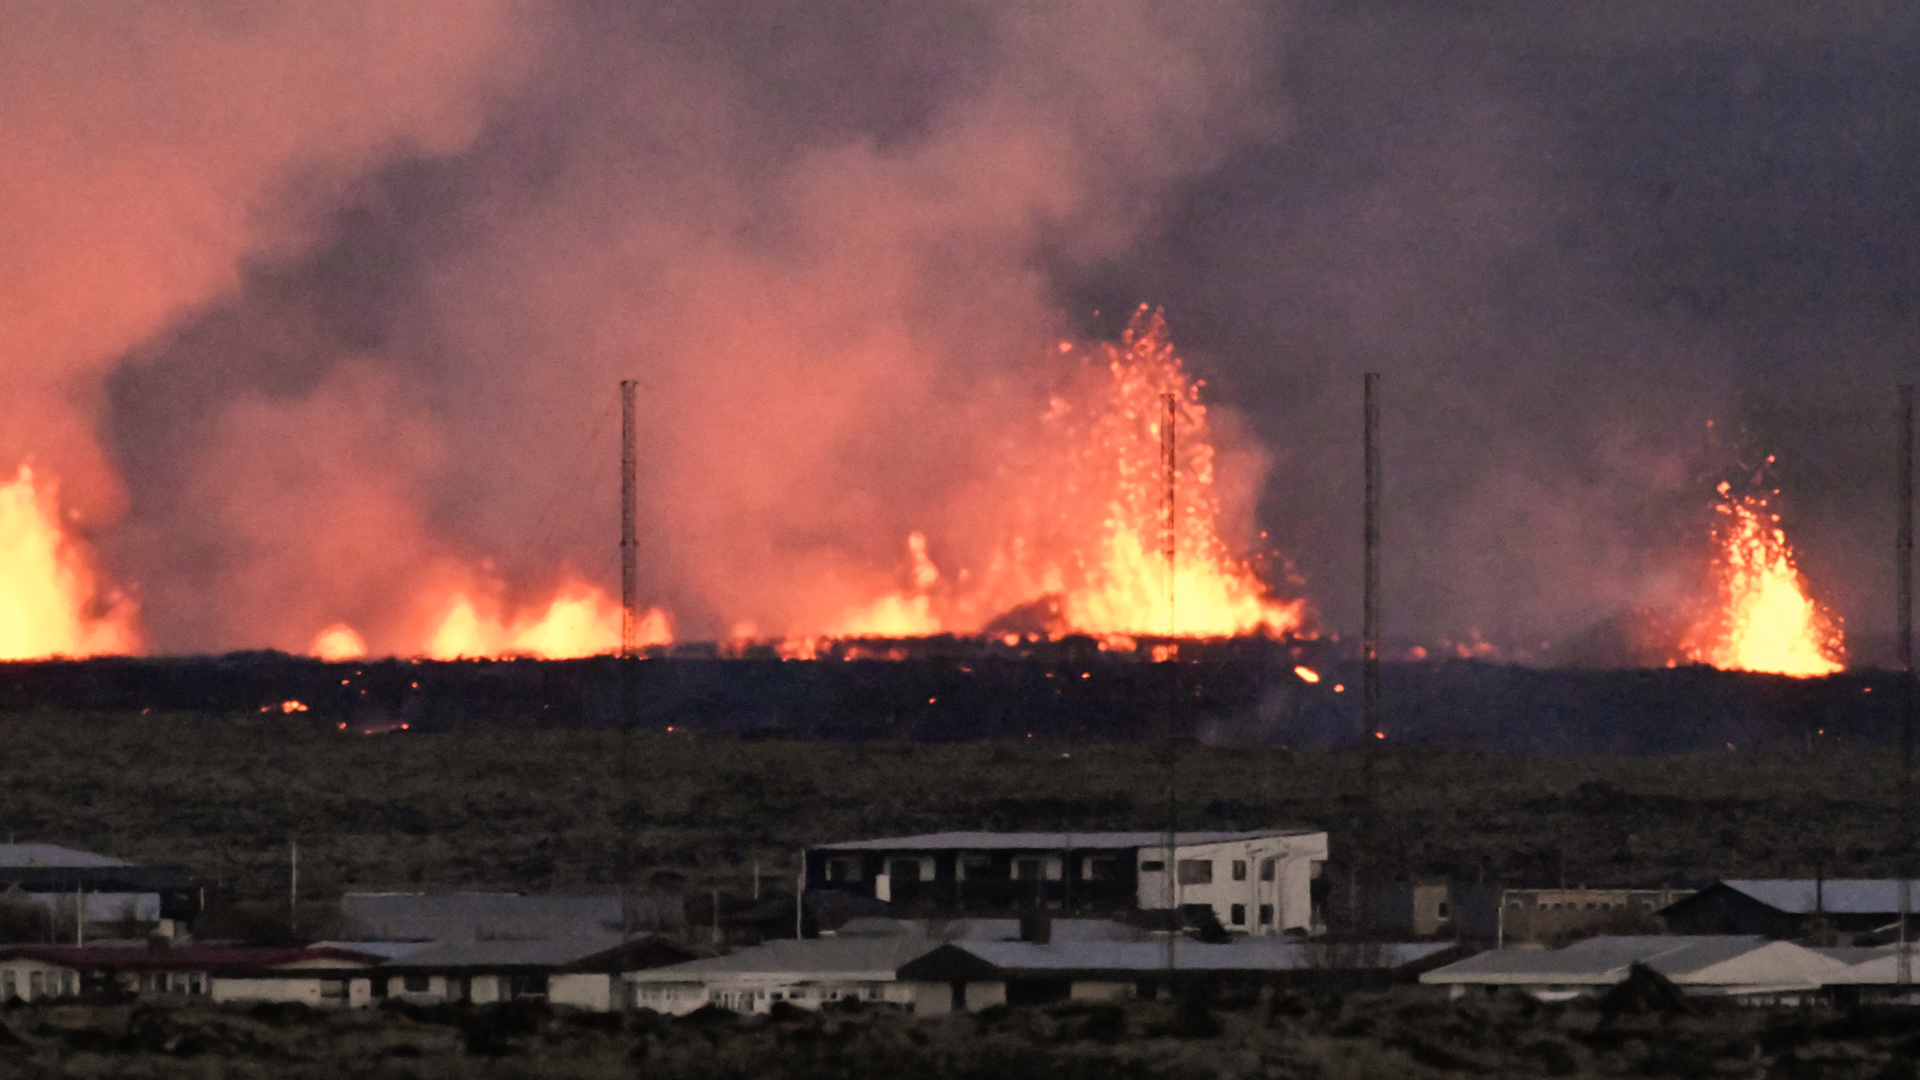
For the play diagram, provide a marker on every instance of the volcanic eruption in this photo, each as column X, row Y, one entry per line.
column 1085, row 535
column 1760, row 616
column 50, row 602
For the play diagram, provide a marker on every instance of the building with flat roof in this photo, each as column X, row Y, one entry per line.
column 1255, row 883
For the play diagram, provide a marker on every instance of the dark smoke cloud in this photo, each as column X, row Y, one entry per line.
column 1569, row 240
column 837, row 244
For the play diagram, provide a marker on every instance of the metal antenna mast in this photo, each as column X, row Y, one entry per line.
column 1904, row 553
column 1369, row 641
column 1169, row 546
column 629, row 689
column 629, row 569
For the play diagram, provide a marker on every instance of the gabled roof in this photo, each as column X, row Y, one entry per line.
column 1716, row 960
column 1838, row 896
column 213, row 959
column 1128, row 960
column 871, row 958
column 53, row 855
column 495, row 955
column 1051, row 841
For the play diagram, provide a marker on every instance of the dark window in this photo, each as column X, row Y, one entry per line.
column 1103, row 869
column 1239, row 869
column 1443, row 909
column 1026, row 869
column 335, row 989
column 532, row 984
column 379, row 988
column 843, row 869
column 1238, row 914
column 1266, row 914
column 417, row 984
column 1266, row 870
column 904, row 870
column 1152, row 866
column 1196, row 871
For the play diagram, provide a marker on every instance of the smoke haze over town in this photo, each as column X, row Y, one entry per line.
column 315, row 313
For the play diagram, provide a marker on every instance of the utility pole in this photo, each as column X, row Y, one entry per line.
column 1369, row 643
column 1370, row 631
column 1903, row 967
column 1169, row 547
column 629, row 678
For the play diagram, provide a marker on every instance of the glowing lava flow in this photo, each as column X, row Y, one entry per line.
column 49, row 605
column 579, row 621
column 338, row 642
column 1763, row 619
column 1084, row 549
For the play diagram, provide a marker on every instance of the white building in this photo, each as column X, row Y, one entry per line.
column 971, row 975
column 1255, row 883
column 806, row 974
column 1749, row 968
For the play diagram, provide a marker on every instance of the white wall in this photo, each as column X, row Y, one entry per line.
column 1290, row 893
column 304, row 989
column 580, row 990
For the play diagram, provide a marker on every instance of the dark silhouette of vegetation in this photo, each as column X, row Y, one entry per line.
column 1386, row 1035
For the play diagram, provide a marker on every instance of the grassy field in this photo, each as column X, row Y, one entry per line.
column 541, row 809
column 1386, row 1035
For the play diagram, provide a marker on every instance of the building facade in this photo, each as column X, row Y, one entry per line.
column 1254, row 883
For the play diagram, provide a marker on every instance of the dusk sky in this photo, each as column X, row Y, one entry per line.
column 304, row 304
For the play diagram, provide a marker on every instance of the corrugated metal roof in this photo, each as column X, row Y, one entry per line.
column 1840, row 896
column 1144, row 957
column 503, row 954
column 53, row 855
column 213, row 958
column 865, row 957
column 1602, row 960
column 1050, row 841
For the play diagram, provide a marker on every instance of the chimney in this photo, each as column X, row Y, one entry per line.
column 1036, row 928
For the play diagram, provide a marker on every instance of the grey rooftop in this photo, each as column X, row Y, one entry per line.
column 1052, row 841
column 53, row 855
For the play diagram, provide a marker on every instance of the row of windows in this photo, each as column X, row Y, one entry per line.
column 39, row 984
column 1200, row 871
column 1037, row 868
column 1237, row 915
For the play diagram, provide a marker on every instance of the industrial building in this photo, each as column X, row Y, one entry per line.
column 106, row 891
column 1790, row 907
column 1748, row 968
column 1253, row 883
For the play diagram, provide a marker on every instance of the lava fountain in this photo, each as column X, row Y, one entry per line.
column 50, row 603
column 580, row 620
column 1082, row 549
column 1761, row 618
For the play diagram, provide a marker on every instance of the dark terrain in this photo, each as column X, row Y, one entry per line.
column 1376, row 1035
column 543, row 807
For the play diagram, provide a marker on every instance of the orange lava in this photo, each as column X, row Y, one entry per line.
column 1762, row 618
column 1087, row 552
column 580, row 620
column 338, row 642
column 50, row 604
